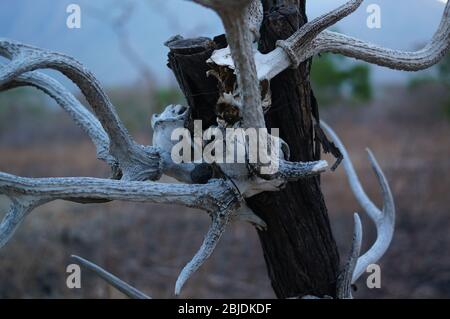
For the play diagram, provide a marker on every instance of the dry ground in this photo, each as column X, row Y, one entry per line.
column 147, row 245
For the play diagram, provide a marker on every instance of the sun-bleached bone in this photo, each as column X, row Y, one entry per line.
column 173, row 117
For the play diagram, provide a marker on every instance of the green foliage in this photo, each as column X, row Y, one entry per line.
column 166, row 96
column 334, row 78
column 438, row 75
column 444, row 70
column 135, row 106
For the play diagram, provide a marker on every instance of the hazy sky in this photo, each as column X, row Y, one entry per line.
column 405, row 25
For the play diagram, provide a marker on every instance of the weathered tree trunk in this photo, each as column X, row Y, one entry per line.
column 187, row 60
column 299, row 248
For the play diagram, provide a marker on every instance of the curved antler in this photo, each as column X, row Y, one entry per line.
column 78, row 112
column 238, row 28
column 218, row 197
column 28, row 193
column 431, row 54
column 305, row 44
column 294, row 45
column 215, row 231
column 135, row 161
column 384, row 219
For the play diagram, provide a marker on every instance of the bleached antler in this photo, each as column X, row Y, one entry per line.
column 78, row 112
column 134, row 161
column 234, row 15
column 384, row 219
column 132, row 164
column 312, row 39
column 28, row 193
column 135, row 165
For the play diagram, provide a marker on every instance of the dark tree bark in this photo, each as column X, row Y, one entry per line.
column 187, row 59
column 299, row 249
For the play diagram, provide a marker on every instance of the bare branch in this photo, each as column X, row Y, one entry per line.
column 384, row 219
column 114, row 281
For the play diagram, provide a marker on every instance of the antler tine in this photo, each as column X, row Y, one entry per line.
column 293, row 171
column 346, row 277
column 89, row 123
column 220, row 218
column 302, row 45
column 78, row 112
column 29, row 193
column 384, row 220
column 19, row 209
column 114, row 281
column 219, row 197
column 311, row 29
column 431, row 54
column 234, row 16
column 294, row 45
column 385, row 224
column 136, row 162
column 215, row 232
column 368, row 206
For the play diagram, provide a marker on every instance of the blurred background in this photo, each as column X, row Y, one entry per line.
column 403, row 117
